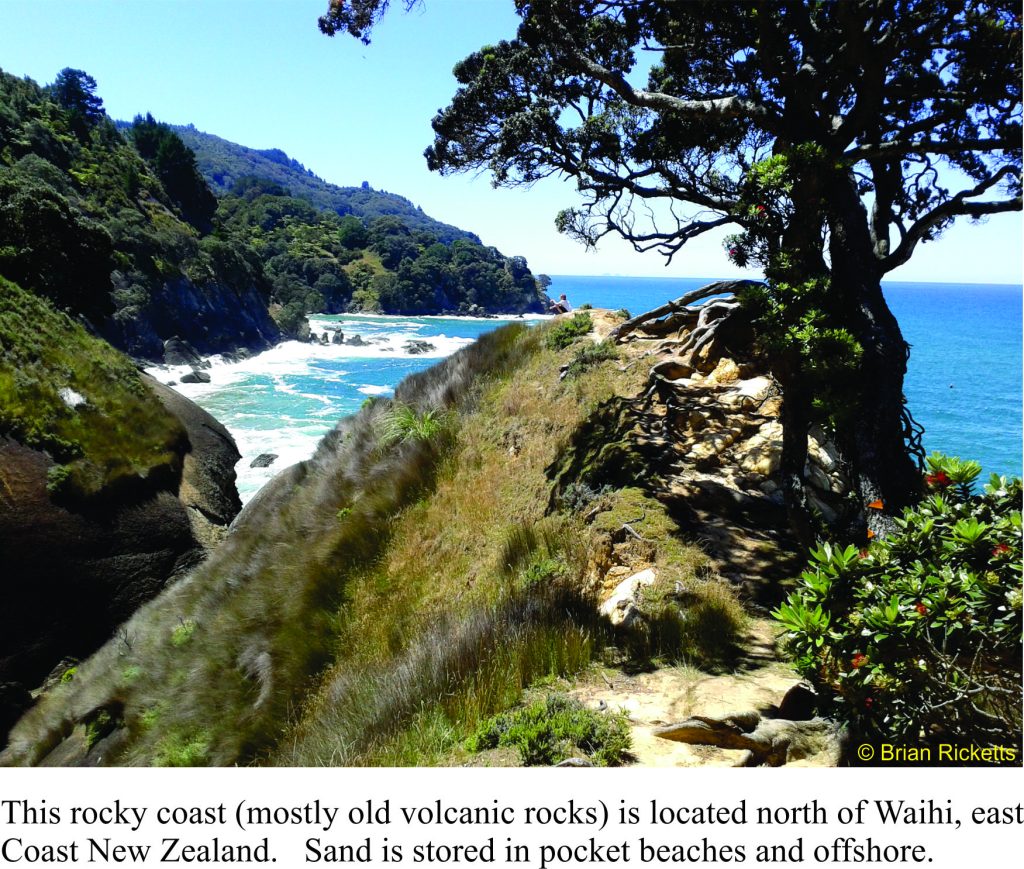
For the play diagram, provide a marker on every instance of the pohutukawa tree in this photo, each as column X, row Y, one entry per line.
column 835, row 137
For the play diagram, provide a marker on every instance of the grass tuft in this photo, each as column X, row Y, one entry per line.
column 554, row 729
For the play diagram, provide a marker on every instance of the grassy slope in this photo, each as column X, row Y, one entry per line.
column 121, row 431
column 389, row 598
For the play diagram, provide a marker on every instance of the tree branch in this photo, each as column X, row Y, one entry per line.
column 958, row 206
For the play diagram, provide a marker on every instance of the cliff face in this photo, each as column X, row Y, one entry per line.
column 213, row 317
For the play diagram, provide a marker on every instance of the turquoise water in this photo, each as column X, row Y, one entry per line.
column 964, row 377
column 963, row 385
column 284, row 400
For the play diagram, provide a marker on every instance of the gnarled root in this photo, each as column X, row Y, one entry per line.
column 767, row 741
column 676, row 314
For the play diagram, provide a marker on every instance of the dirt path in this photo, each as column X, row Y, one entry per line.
column 671, row 694
column 744, row 532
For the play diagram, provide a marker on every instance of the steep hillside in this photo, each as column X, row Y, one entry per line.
column 455, row 545
column 115, row 233
column 224, row 163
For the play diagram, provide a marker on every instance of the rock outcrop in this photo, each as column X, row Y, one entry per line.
column 203, row 319
column 73, row 572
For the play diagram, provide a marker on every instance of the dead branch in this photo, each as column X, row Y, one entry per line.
column 680, row 305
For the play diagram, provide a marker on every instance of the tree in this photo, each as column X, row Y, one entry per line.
column 836, row 137
column 75, row 92
column 175, row 165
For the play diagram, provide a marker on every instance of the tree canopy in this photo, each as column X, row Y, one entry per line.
column 834, row 137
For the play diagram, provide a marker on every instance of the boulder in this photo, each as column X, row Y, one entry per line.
column 338, row 337
column 417, row 347
column 71, row 575
column 747, row 394
column 726, row 371
column 194, row 376
column 179, row 352
column 207, row 486
column 762, row 453
column 357, row 341
column 263, row 460
column 621, row 606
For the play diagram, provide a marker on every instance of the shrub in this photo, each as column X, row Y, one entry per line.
column 564, row 333
column 551, row 730
column 590, row 355
column 182, row 632
column 57, row 479
column 184, row 749
column 918, row 637
column 623, row 313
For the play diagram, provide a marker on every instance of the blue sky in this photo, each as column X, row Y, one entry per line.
column 260, row 73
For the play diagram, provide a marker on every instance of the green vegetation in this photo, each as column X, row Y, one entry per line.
column 434, row 586
column 74, row 396
column 224, row 164
column 567, row 331
column 114, row 228
column 401, row 423
column 119, row 226
column 591, row 354
column 554, row 729
column 917, row 637
column 318, row 261
column 175, row 166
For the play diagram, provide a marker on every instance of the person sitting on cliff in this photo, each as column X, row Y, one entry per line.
column 562, row 306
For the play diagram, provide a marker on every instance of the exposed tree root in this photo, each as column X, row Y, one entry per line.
column 767, row 741
column 676, row 314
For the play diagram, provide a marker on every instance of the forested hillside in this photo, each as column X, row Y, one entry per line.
column 224, row 163
column 318, row 261
column 116, row 224
column 117, row 228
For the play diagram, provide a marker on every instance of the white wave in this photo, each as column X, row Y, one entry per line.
column 290, row 445
column 294, row 438
column 334, row 319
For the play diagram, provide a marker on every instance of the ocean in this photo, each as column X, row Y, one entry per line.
column 963, row 383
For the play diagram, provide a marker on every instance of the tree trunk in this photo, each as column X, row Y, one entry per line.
column 796, row 422
column 871, row 434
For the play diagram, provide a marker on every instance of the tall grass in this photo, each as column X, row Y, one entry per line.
column 453, row 675
column 267, row 606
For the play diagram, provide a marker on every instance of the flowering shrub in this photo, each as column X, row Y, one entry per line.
column 918, row 637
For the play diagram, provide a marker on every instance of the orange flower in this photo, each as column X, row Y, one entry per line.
column 876, row 505
column 859, row 660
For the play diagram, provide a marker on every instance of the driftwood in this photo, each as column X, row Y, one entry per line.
column 677, row 312
column 767, row 741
